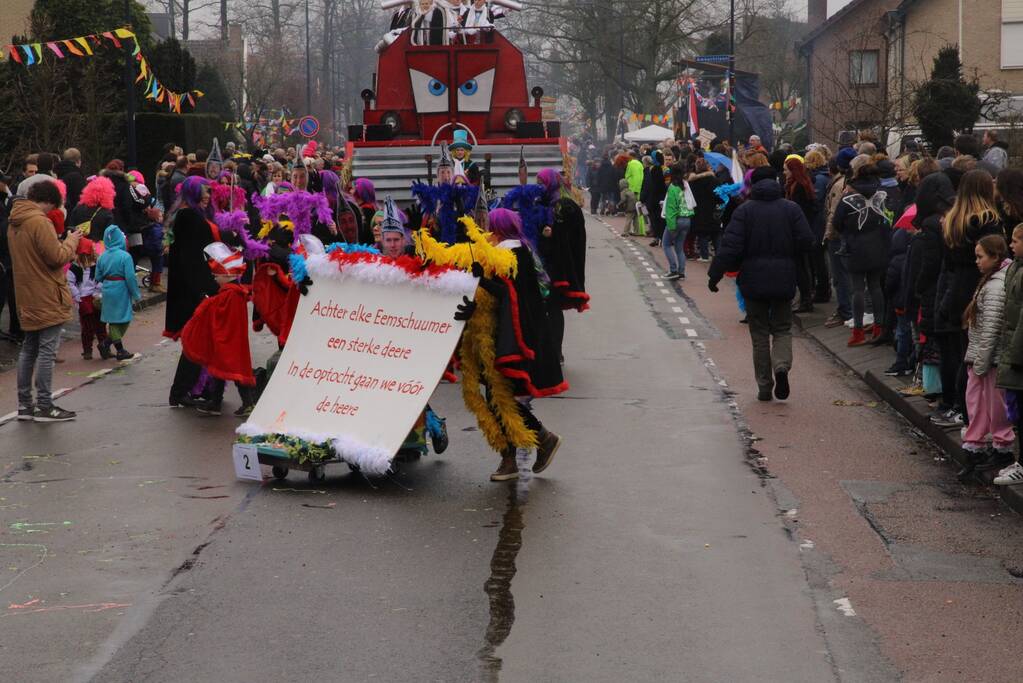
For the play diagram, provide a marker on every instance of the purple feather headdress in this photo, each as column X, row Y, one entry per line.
column 237, row 222
column 300, row 207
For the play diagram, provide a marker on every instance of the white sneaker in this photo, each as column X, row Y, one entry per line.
column 868, row 319
column 848, row 323
column 1013, row 474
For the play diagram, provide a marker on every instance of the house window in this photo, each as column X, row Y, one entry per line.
column 1012, row 34
column 863, row 67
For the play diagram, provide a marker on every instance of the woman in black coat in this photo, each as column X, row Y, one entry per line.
column 652, row 194
column 191, row 278
column 866, row 235
column 799, row 188
column 972, row 216
column 705, row 224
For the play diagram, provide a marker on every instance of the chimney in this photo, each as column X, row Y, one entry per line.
column 816, row 13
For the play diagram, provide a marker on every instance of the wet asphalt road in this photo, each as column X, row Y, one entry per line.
column 649, row 550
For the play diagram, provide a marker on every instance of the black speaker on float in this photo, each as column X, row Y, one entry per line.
column 553, row 129
column 527, row 129
column 377, row 132
column 355, row 133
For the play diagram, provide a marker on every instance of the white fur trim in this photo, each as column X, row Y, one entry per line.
column 369, row 459
column 382, row 273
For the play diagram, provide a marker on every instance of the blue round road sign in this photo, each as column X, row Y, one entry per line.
column 308, row 126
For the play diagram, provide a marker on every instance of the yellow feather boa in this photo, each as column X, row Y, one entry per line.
column 499, row 419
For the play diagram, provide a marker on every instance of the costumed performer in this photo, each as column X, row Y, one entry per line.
column 461, row 150
column 563, row 250
column 394, row 242
column 477, row 22
column 191, row 230
column 216, row 337
column 506, row 353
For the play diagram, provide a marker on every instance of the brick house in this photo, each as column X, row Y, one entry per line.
column 14, row 18
column 887, row 47
column 845, row 58
column 989, row 34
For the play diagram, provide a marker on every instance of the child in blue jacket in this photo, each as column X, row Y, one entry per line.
column 115, row 270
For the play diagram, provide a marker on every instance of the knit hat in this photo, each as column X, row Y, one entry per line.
column 762, row 173
column 844, row 156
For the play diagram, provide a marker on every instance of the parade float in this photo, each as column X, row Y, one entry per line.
column 422, row 94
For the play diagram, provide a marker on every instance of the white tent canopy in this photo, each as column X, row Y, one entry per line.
column 650, row 134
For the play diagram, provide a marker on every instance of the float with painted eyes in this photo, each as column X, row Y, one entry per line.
column 446, row 76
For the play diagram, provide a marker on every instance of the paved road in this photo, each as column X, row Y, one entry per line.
column 651, row 550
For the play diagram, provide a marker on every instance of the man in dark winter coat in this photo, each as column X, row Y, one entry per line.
column 763, row 241
column 69, row 170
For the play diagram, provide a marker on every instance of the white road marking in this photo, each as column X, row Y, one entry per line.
column 8, row 417
column 676, row 309
column 660, row 284
column 60, row 392
column 670, row 299
column 691, row 332
column 684, row 321
column 807, row 545
column 649, row 270
column 845, row 607
column 655, row 276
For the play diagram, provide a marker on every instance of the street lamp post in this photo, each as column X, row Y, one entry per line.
column 129, row 92
column 731, row 75
column 308, row 67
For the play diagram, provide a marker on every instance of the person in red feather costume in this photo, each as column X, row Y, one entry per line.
column 217, row 335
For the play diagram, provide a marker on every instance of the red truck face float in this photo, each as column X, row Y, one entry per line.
column 424, row 89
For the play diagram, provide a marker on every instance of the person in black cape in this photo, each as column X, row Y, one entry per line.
column 562, row 247
column 524, row 347
column 191, row 280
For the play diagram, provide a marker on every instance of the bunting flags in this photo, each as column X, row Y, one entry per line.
column 82, row 46
column 651, row 118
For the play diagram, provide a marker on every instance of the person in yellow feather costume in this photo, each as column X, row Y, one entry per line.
column 506, row 357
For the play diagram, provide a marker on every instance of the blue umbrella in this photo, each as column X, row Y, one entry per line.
column 715, row 159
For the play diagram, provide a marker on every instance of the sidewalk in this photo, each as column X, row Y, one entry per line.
column 9, row 351
column 869, row 363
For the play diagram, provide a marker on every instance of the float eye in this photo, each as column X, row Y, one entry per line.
column 436, row 87
column 469, row 87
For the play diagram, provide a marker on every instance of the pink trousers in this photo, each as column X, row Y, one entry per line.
column 986, row 407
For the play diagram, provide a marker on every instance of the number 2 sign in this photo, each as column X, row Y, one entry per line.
column 246, row 462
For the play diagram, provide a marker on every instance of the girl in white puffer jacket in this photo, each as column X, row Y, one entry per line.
column 983, row 319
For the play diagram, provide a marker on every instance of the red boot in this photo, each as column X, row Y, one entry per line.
column 857, row 338
column 876, row 332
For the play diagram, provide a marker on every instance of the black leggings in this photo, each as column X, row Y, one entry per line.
column 556, row 322
column 185, row 378
column 953, row 385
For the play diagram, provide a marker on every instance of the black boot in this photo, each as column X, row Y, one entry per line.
column 970, row 461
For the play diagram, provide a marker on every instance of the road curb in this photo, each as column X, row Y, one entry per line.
column 946, row 440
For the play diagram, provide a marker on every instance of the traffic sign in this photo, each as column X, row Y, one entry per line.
column 308, row 126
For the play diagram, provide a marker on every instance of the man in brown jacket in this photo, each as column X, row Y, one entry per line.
column 44, row 299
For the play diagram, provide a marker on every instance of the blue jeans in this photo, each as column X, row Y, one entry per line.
column 704, row 245
column 840, row 278
column 904, row 341
column 673, row 243
column 37, row 356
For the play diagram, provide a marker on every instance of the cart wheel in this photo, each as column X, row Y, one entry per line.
column 279, row 472
column 317, row 473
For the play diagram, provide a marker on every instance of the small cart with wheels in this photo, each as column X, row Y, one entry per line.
column 281, row 463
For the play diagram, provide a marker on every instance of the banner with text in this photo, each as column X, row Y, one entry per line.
column 369, row 344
